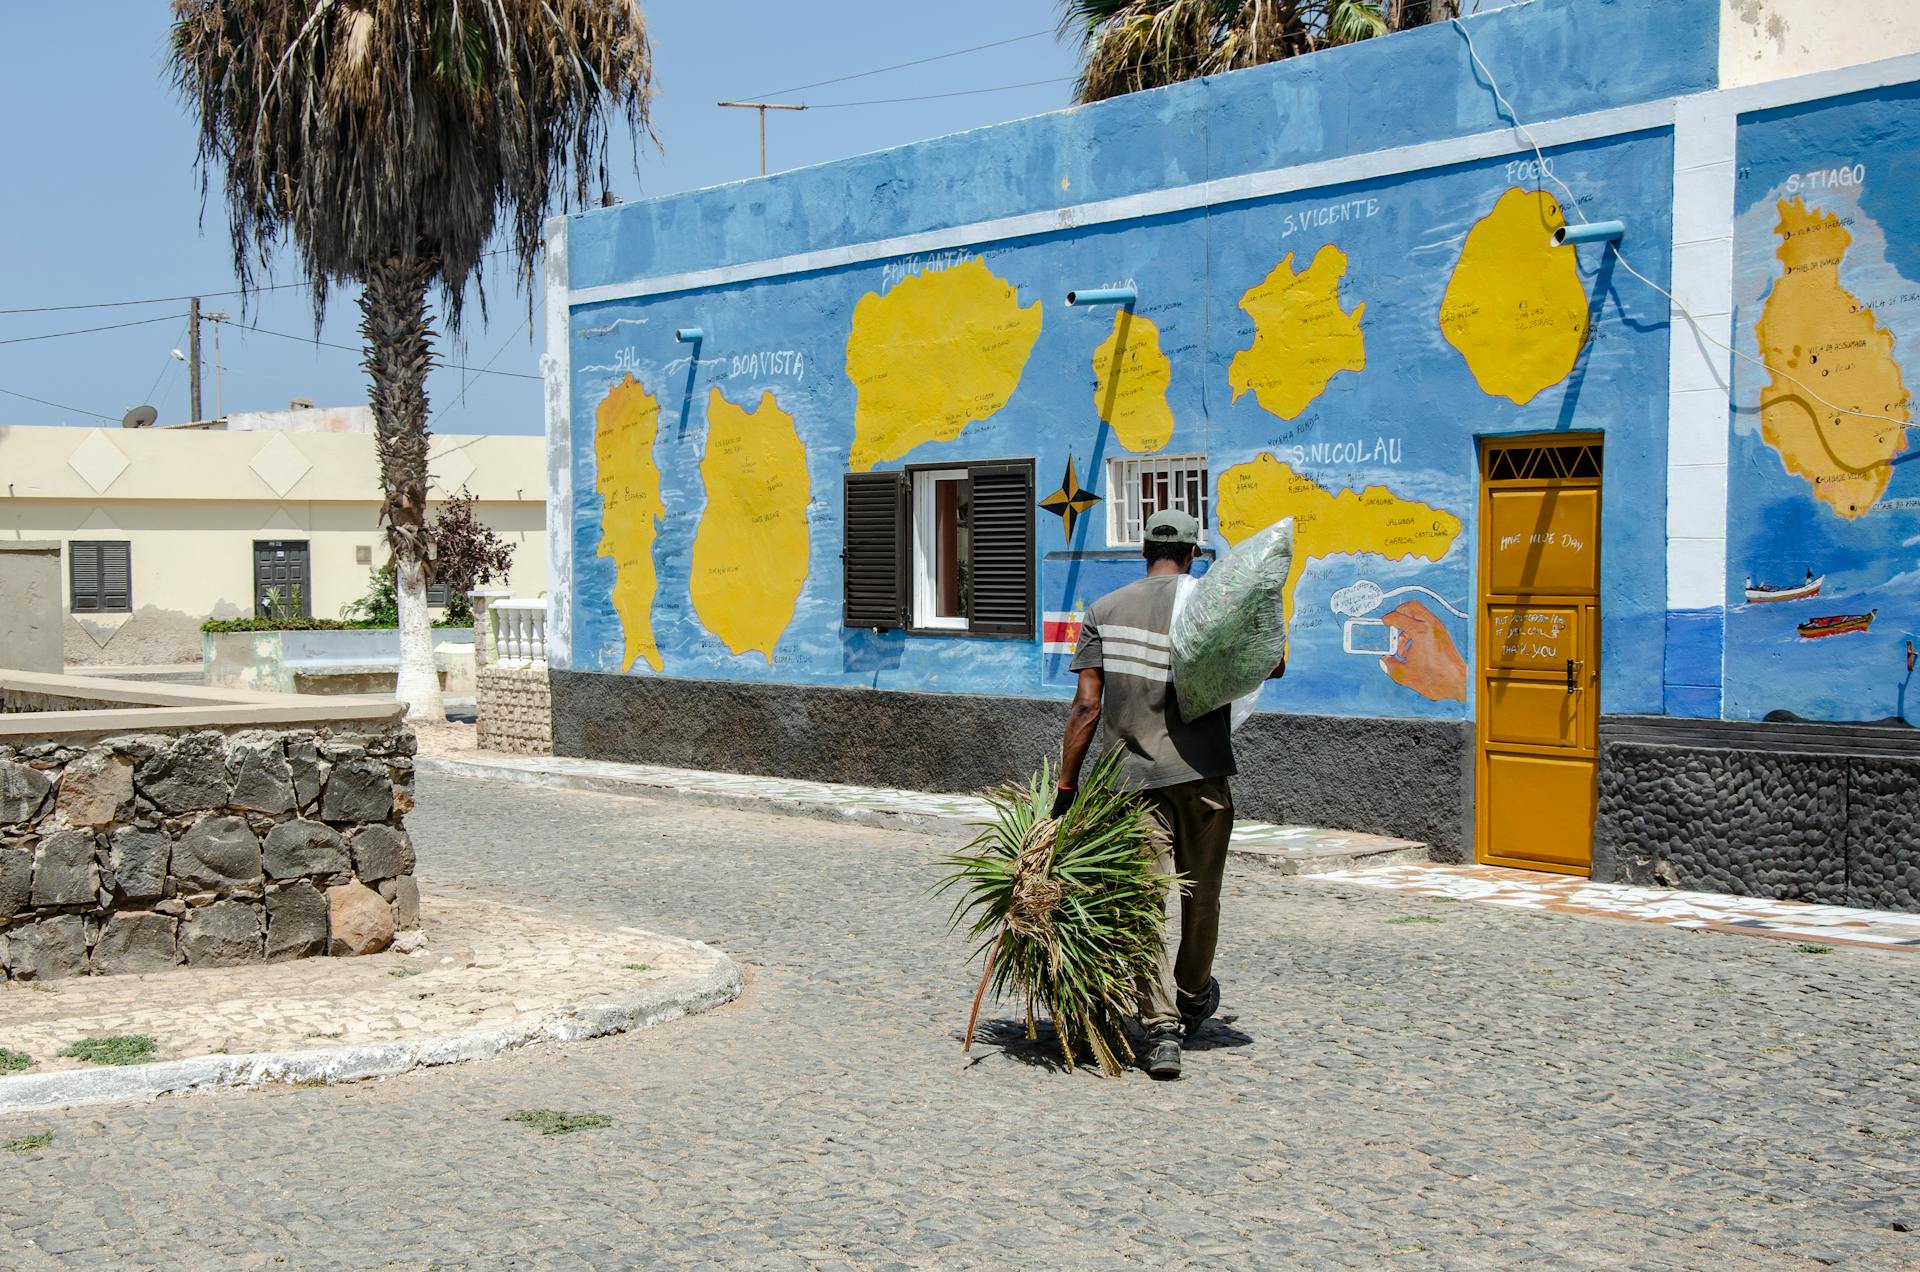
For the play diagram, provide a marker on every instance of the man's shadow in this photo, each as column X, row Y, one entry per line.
column 1009, row 1034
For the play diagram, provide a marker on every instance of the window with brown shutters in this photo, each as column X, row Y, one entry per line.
column 942, row 548
column 874, row 555
column 100, row 577
column 1001, row 581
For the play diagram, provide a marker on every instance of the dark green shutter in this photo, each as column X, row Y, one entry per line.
column 1001, row 501
column 83, row 571
column 874, row 558
column 116, row 577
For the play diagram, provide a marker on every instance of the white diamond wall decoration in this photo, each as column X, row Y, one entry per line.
column 98, row 461
column 280, row 464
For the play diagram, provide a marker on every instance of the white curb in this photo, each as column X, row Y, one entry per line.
column 721, row 982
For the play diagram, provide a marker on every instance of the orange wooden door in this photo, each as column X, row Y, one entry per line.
column 1539, row 652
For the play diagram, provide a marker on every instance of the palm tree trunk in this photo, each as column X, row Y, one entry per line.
column 393, row 321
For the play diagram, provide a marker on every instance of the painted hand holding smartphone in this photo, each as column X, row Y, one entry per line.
column 1414, row 647
column 1421, row 655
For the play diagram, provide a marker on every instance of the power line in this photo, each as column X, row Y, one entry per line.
column 965, row 92
column 85, row 331
column 174, row 300
column 151, row 300
column 452, row 366
column 28, row 397
column 938, row 57
column 461, row 396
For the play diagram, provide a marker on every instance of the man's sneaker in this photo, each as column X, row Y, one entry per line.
column 1163, row 1054
column 1195, row 1012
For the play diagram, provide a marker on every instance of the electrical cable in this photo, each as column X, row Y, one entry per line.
column 938, row 57
column 965, row 92
column 452, row 366
column 85, row 331
column 1699, row 329
column 174, row 300
column 64, row 406
column 151, row 300
column 524, row 323
column 165, row 366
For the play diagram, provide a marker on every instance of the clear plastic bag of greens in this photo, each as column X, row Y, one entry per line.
column 1231, row 631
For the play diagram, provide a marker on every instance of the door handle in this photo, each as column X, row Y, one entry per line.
column 1573, row 669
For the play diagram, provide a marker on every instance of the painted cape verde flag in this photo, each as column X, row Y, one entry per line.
column 1060, row 634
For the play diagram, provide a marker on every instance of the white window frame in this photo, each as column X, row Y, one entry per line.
column 926, row 590
column 1126, row 515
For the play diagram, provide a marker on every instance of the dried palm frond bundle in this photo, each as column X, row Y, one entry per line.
column 1070, row 912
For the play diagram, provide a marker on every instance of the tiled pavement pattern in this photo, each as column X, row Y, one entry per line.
column 1409, row 1082
column 483, row 964
column 1713, row 911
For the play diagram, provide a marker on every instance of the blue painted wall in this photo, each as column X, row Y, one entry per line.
column 1409, row 422
column 1553, row 58
column 1857, row 160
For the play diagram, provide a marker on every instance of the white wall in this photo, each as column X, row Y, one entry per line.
column 1771, row 39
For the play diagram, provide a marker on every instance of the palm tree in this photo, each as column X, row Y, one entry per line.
column 390, row 140
column 1128, row 45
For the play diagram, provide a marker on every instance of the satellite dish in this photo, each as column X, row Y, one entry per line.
column 139, row 417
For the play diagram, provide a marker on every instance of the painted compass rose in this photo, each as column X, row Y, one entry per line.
column 1068, row 502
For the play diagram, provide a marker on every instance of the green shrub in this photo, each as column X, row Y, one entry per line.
column 12, row 1061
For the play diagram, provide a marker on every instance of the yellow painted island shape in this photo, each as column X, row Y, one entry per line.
column 1130, row 380
column 1301, row 336
column 939, row 351
column 1254, row 495
column 1817, row 332
column 751, row 548
column 625, row 427
column 1515, row 307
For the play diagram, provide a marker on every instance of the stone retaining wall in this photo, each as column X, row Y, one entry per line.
column 139, row 851
column 513, row 710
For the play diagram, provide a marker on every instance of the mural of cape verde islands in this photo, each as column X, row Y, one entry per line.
column 1330, row 304
column 1827, row 294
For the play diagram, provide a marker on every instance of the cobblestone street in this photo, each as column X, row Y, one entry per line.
column 1409, row 1080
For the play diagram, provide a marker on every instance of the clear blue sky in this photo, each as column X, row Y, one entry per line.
column 102, row 201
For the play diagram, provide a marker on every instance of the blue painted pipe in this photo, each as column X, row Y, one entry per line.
column 1591, row 232
column 689, row 335
column 1104, row 296
column 1905, row 457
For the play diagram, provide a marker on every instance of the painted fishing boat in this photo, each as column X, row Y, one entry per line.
column 1836, row 625
column 1760, row 593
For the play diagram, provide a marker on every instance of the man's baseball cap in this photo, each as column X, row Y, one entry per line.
column 1170, row 525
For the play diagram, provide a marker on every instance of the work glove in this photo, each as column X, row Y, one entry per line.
column 1062, row 801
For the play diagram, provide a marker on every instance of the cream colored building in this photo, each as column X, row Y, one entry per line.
column 210, row 518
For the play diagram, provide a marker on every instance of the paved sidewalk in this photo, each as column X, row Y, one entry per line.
column 1288, row 849
column 1374, row 861
column 484, row 977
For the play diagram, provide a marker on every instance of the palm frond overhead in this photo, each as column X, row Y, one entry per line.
column 1129, row 45
column 370, row 131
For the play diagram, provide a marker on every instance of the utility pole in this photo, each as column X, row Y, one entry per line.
column 216, row 317
column 193, row 357
column 763, row 108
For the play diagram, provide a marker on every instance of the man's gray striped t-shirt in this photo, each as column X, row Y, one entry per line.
column 1125, row 635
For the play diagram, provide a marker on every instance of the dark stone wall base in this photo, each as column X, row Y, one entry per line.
column 1799, row 812
column 1409, row 778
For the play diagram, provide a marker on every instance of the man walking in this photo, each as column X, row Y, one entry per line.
column 1125, row 662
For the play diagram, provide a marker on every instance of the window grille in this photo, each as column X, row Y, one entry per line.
column 1138, row 488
